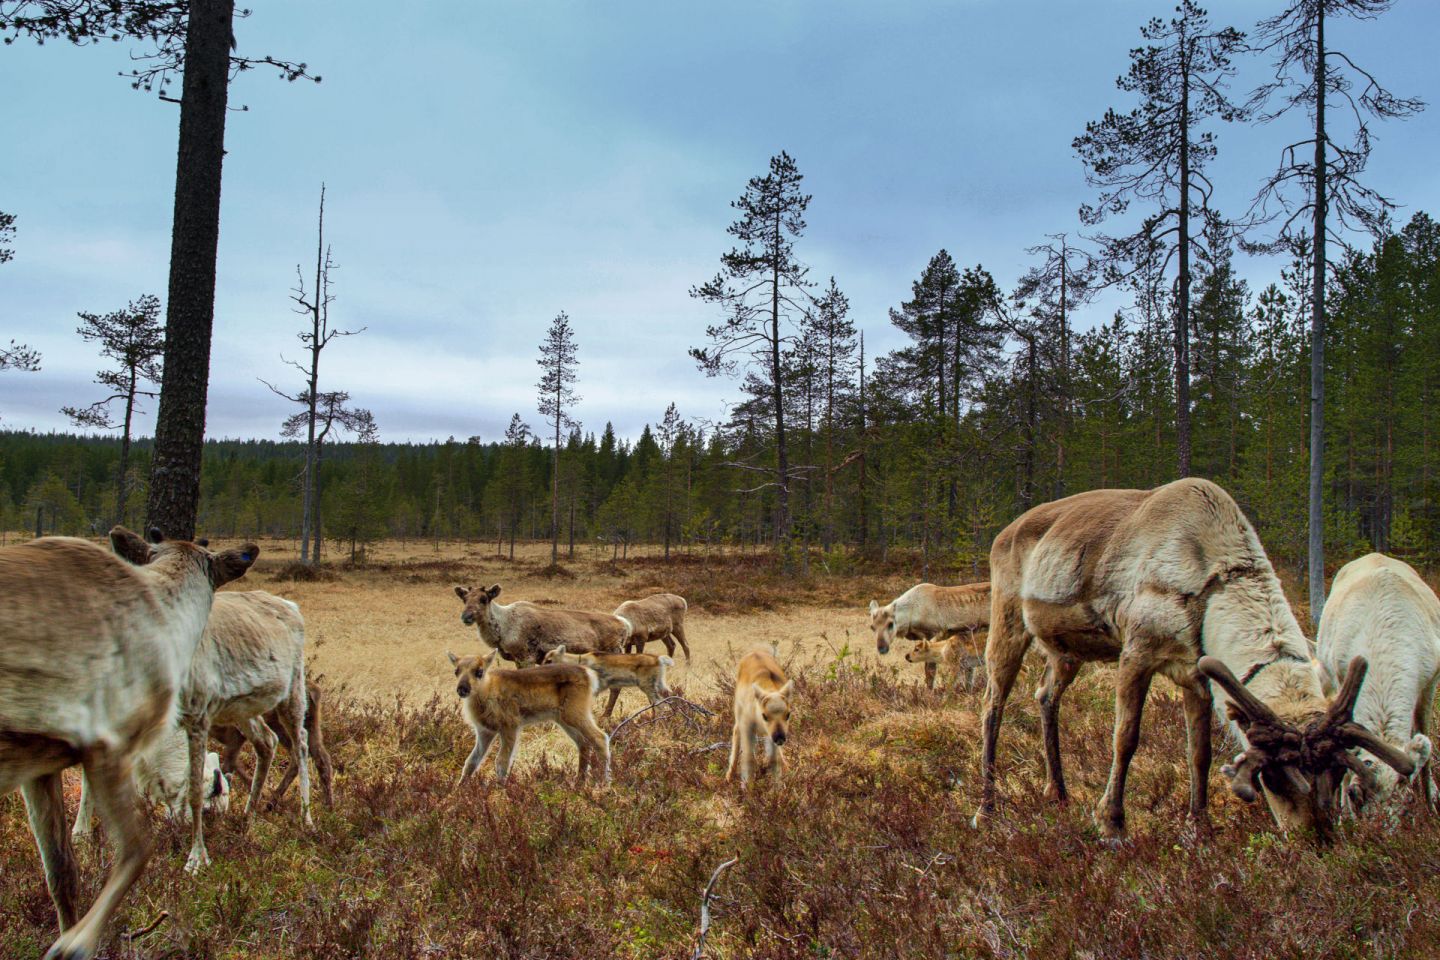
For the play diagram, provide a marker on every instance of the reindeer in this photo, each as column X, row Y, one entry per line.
column 162, row 775
column 93, row 654
column 926, row 612
column 762, row 712
column 250, row 661
column 658, row 617
column 962, row 665
column 619, row 670
column 1170, row 581
column 233, row 741
column 1380, row 609
column 523, row 632
column 503, row 702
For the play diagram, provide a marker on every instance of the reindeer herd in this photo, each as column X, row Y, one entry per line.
column 126, row 661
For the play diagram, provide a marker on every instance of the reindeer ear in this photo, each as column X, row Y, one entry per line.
column 453, row 659
column 232, row 564
column 785, row 690
column 154, row 535
column 494, row 591
column 462, row 592
column 1325, row 678
column 129, row 547
column 873, row 607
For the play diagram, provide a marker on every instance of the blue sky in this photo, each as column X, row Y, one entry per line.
column 490, row 164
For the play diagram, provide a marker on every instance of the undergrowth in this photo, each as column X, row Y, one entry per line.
column 864, row 850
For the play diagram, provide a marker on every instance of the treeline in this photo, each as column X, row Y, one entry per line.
column 934, row 446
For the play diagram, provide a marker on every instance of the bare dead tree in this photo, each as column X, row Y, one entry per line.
column 313, row 422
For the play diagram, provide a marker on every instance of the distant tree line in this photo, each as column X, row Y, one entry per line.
column 954, row 434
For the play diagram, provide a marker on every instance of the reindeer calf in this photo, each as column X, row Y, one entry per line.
column 762, row 712
column 617, row 670
column 955, row 654
column 503, row 702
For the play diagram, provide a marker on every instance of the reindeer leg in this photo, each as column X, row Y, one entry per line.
column 197, row 732
column 1059, row 673
column 114, row 791
column 930, row 670
column 84, row 828
column 263, row 739
column 509, row 745
column 734, row 752
column 1131, row 687
column 614, row 696
column 45, row 804
column 292, row 714
column 678, row 632
column 483, row 739
column 1198, row 705
column 1004, row 653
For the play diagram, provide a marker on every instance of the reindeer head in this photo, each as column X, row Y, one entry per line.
column 1301, row 769
column 775, row 712
column 882, row 621
column 926, row 651
column 558, row 655
column 477, row 602
column 469, row 671
column 220, row 567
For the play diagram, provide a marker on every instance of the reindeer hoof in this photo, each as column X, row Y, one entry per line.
column 198, row 860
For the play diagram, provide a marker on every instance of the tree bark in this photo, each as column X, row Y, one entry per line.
column 174, row 497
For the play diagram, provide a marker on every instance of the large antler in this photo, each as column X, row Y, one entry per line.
column 1273, row 742
column 1251, row 706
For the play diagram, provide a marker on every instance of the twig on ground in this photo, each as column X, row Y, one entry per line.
column 705, row 907
column 675, row 700
column 149, row 928
column 714, row 746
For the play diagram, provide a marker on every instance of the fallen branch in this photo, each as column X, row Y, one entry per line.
column 148, row 929
column 714, row 746
column 673, row 700
column 705, row 907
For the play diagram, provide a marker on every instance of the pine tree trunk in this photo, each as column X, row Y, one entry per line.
column 1316, row 545
column 174, row 497
column 1182, row 311
column 122, row 481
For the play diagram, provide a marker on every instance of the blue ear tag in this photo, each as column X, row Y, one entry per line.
column 245, row 557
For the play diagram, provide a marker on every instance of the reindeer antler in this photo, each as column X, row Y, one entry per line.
column 1276, row 747
column 1252, row 706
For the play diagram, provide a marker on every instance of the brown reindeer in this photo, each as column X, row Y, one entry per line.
column 658, row 617
column 233, row 741
column 956, row 654
column 930, row 612
column 762, row 713
column 619, row 670
column 523, row 632
column 503, row 702
column 1156, row 579
column 93, row 654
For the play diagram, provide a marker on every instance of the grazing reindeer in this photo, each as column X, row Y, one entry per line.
column 954, row 653
column 1380, row 609
column 926, row 612
column 1155, row 579
column 93, row 654
column 234, row 741
column 162, row 775
column 503, row 702
column 658, row 617
column 619, row 670
column 250, row 661
column 762, row 712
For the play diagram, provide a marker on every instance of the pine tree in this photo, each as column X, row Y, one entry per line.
column 1308, row 75
column 134, row 339
column 558, row 359
column 1157, row 154
column 761, row 287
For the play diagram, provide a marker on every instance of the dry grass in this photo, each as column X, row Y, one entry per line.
column 865, row 851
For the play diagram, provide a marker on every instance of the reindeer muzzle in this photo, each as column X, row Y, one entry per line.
column 779, row 739
column 463, row 690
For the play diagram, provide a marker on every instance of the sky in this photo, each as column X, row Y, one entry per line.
column 490, row 164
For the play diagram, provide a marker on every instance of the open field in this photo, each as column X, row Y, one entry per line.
column 864, row 851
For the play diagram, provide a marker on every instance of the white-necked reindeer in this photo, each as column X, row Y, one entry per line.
column 1381, row 610
column 93, row 654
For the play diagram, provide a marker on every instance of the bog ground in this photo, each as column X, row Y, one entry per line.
column 864, row 851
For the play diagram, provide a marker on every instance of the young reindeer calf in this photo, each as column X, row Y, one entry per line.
column 503, row 702
column 617, row 670
column 961, row 663
column 762, row 711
